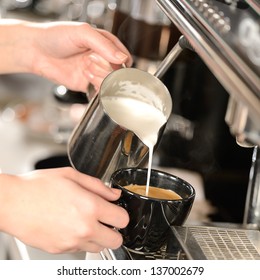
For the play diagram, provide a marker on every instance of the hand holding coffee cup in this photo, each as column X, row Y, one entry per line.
column 168, row 203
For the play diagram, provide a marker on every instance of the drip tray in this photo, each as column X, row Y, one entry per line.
column 200, row 243
column 217, row 243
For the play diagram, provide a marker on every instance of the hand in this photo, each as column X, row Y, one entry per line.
column 72, row 54
column 61, row 210
column 75, row 54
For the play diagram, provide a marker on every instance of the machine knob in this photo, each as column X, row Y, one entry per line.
column 213, row 15
column 209, row 12
column 198, row 3
column 203, row 7
column 214, row 18
column 223, row 25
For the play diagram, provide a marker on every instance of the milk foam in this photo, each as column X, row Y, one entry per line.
column 142, row 118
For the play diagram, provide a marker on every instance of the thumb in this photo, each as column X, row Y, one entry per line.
column 91, row 184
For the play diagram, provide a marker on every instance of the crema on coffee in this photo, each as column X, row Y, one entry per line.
column 154, row 192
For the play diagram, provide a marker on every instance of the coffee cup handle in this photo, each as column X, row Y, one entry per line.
column 120, row 202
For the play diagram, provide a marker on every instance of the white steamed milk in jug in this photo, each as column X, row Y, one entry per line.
column 139, row 110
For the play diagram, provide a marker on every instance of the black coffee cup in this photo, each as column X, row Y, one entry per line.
column 151, row 218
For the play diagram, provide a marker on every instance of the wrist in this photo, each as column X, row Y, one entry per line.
column 16, row 46
column 7, row 196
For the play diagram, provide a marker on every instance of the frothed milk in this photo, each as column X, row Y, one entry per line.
column 142, row 116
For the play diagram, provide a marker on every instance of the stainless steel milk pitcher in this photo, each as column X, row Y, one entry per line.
column 99, row 145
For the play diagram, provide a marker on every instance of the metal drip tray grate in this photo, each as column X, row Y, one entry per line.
column 213, row 243
column 199, row 243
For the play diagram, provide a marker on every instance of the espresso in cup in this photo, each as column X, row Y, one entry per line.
column 168, row 203
column 153, row 192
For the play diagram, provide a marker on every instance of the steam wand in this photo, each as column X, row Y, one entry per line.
column 172, row 55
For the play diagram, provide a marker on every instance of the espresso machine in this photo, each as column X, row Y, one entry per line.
column 225, row 34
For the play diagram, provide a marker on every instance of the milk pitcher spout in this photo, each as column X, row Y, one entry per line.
column 108, row 136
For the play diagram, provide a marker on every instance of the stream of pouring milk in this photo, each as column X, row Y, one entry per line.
column 144, row 119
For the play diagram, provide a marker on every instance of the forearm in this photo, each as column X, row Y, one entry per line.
column 16, row 46
column 69, row 53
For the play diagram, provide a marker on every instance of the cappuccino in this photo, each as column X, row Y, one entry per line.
column 154, row 192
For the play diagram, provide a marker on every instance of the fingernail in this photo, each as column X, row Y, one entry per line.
column 121, row 56
column 91, row 76
column 88, row 74
column 93, row 58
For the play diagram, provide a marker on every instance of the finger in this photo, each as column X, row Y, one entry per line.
column 106, row 46
column 107, row 237
column 91, row 247
column 118, row 216
column 90, row 183
column 96, row 69
column 102, row 210
column 118, row 43
column 96, row 81
column 97, row 66
column 98, row 61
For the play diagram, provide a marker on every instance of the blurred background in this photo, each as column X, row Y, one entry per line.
column 37, row 117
